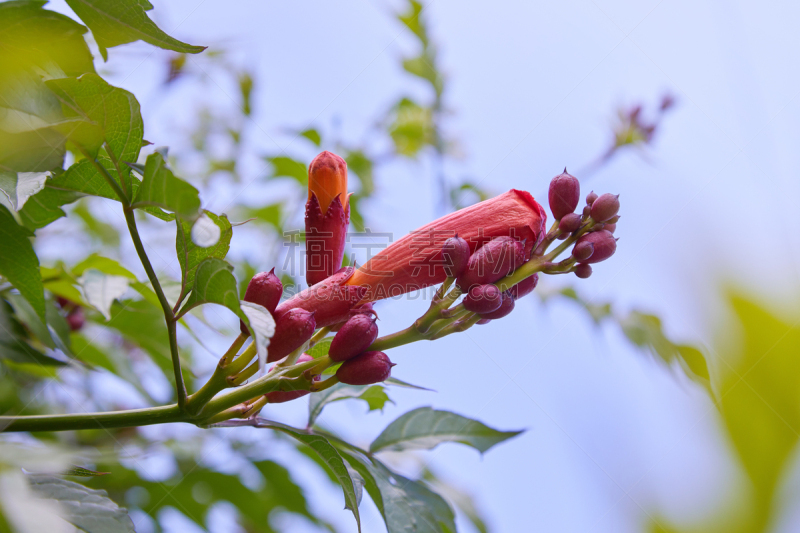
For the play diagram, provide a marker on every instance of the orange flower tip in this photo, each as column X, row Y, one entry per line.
column 327, row 178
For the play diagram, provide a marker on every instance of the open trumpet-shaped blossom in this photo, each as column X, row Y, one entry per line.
column 416, row 260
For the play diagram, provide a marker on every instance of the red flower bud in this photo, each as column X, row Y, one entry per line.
column 76, row 318
column 483, row 299
column 564, row 194
column 524, row 287
column 611, row 228
column 455, row 255
column 583, row 250
column 590, row 198
column 292, row 329
column 280, row 396
column 365, row 309
column 604, row 245
column 506, row 306
column 327, row 216
column 571, row 222
column 483, row 321
column 583, row 271
column 605, row 207
column 492, row 261
column 265, row 289
column 365, row 369
column 353, row 338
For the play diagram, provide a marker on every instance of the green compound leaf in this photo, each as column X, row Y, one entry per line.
column 374, row 395
column 84, row 508
column 426, row 428
column 160, row 188
column 115, row 22
column 18, row 262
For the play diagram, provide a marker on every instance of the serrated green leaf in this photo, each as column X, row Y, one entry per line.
column 18, row 262
column 425, row 428
column 328, row 453
column 407, row 506
column 399, row 383
column 190, row 255
column 87, row 509
column 115, row 22
column 44, row 207
column 112, row 113
column 160, row 188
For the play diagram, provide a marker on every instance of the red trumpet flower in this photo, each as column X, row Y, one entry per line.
column 416, row 261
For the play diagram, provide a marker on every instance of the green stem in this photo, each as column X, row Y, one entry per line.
column 169, row 316
column 123, row 197
column 108, row 420
column 399, row 338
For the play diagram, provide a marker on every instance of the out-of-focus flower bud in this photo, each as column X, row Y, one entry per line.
column 613, row 220
column 524, row 287
column 583, row 250
column 506, row 306
column 292, row 329
column 483, row 299
column 583, row 271
column 353, row 338
column 611, row 228
column 564, row 194
column 604, row 245
column 455, row 255
column 279, row 396
column 483, row 321
column 605, row 207
column 494, row 260
column 365, row 369
column 265, row 289
column 76, row 318
column 327, row 216
column 590, row 198
column 571, row 222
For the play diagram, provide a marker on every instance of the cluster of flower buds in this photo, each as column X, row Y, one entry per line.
column 75, row 316
column 596, row 225
column 280, row 396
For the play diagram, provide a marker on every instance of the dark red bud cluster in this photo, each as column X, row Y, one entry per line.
column 571, row 222
column 564, row 194
column 292, row 330
column 455, row 254
column 365, row 369
column 280, row 396
column 265, row 289
column 506, row 306
column 590, row 198
column 593, row 248
column 76, row 317
column 492, row 261
column 353, row 338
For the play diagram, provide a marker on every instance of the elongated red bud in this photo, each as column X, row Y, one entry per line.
column 265, row 288
column 492, row 261
column 506, row 306
column 571, row 222
column 279, row 396
column 583, row 271
column 455, row 255
column 583, row 250
column 604, row 245
column 292, row 329
column 483, row 299
column 327, row 216
column 353, row 338
column 524, row 287
column 564, row 194
column 365, row 369
column 590, row 198
column 605, row 207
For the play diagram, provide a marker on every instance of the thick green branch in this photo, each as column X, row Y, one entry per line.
column 108, row 420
